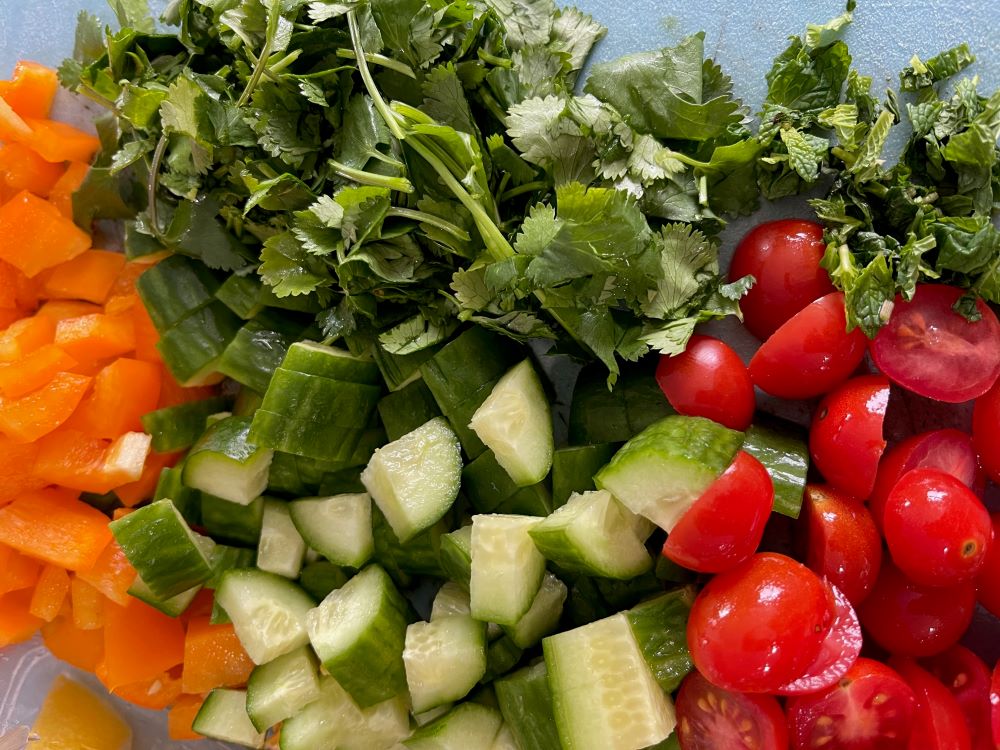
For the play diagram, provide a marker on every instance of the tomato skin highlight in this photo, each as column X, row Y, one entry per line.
column 760, row 625
column 938, row 723
column 988, row 581
column 725, row 525
column 968, row 679
column 710, row 718
column 784, row 257
column 708, row 379
column 986, row 431
column 845, row 439
column 811, row 353
column 995, row 704
column 928, row 348
column 841, row 541
column 846, row 715
column 910, row 619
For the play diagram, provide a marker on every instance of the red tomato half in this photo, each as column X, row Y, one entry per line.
column 909, row 619
column 710, row 718
column 947, row 450
column 842, row 544
column 783, row 256
column 845, row 438
column 811, row 353
column 708, row 379
column 938, row 723
column 870, row 708
column 988, row 581
column 724, row 526
column 986, row 431
column 930, row 349
column 968, row 679
column 937, row 530
column 760, row 625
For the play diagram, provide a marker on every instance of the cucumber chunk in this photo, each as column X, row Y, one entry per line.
column 320, row 578
column 339, row 527
column 661, row 471
column 325, row 722
column 408, row 408
column 444, row 659
column 267, row 611
column 282, row 687
column 414, row 480
column 516, row 424
column 785, row 455
column 456, row 555
column 542, row 618
column 311, row 358
column 506, row 568
column 226, row 464
column 451, row 599
column 660, row 628
column 173, row 606
column 595, row 535
column 526, row 705
column 223, row 716
column 281, row 548
column 469, row 726
column 573, row 469
column 604, row 695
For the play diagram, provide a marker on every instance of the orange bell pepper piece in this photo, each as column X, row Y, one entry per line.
column 133, row 493
column 50, row 593
column 123, row 391
column 91, row 338
column 43, row 410
column 89, row 276
column 173, row 393
column 25, row 336
column 88, row 604
column 58, row 142
column 16, row 477
column 140, row 643
column 155, row 694
column 81, row 462
column 84, row 649
column 61, row 194
column 23, row 169
column 13, row 128
column 34, row 371
column 213, row 657
column 17, row 624
column 112, row 574
column 31, row 89
column 36, row 236
column 53, row 526
column 181, row 717
column 17, row 571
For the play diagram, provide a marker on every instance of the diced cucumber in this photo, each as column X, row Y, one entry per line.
column 469, row 726
column 785, row 455
column 173, row 606
column 506, row 570
column 425, row 718
column 174, row 288
column 593, row 534
column 226, row 558
column 324, row 723
column 542, row 617
column 504, row 739
column 444, row 659
column 604, row 694
column 502, row 655
column 223, row 716
column 526, row 705
column 451, row 599
column 666, row 467
column 338, row 527
column 338, row 403
column 385, row 725
column 491, row 490
column 226, row 464
column 421, row 555
column 311, row 358
column 267, row 611
column 322, row 577
column 456, row 555
column 231, row 522
column 158, row 543
column 257, row 350
column 282, row 687
column 598, row 415
column 400, row 370
column 414, row 480
column 516, row 424
column 192, row 346
column 668, row 570
column 281, row 548
column 358, row 631
column 406, row 409
column 170, row 486
column 312, row 438
column 241, row 294
column 573, row 469
column 177, row 427
column 660, row 628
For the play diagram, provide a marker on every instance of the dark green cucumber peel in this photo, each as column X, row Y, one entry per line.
column 574, row 467
column 406, row 409
column 175, row 288
column 193, row 345
column 785, row 454
column 490, row 490
column 178, row 427
column 257, row 350
column 660, row 628
column 231, row 522
column 526, row 705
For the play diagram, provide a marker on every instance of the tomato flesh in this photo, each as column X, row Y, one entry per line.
column 811, row 353
column 938, row 723
column 968, row 679
column 986, row 431
column 869, row 708
column 724, row 526
column 930, row 349
column 845, row 439
column 784, row 257
column 760, row 625
column 710, row 718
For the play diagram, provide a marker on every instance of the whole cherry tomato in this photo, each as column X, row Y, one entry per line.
column 710, row 718
column 986, row 431
column 988, row 580
column 968, row 679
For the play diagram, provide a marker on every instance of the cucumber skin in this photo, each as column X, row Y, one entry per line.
column 468, row 726
column 255, row 352
column 306, row 437
column 302, row 396
column 174, row 288
column 573, row 469
column 526, row 705
column 405, row 410
column 456, row 555
column 501, row 656
column 177, row 427
column 301, row 663
column 227, row 437
column 660, row 628
column 231, row 522
column 320, row 578
column 232, row 701
column 194, row 344
column 491, row 490
column 170, row 486
column 241, row 294
column 785, row 455
column 598, row 415
column 421, row 555
column 312, row 358
column 398, row 370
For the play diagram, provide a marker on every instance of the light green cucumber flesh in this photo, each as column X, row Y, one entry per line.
column 173, row 606
column 282, row 687
column 226, row 464
column 506, row 568
column 542, row 618
column 468, row 726
column 444, row 659
column 282, row 548
column 312, row 358
column 451, row 599
column 339, row 527
column 223, row 716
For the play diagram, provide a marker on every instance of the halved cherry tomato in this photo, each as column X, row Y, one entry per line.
column 783, row 256
column 930, row 349
column 869, row 708
column 708, row 379
column 948, row 450
column 938, row 723
column 986, row 431
column 760, row 625
column 724, row 526
column 988, row 580
column 845, row 438
column 811, row 353
column 910, row 619
column 968, row 679
column 710, row 718
column 841, row 541
column 937, row 530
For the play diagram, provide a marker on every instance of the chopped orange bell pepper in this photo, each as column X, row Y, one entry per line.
column 92, row 338
column 89, row 276
column 16, row 621
column 173, row 393
column 83, row 649
column 71, row 459
column 50, row 593
column 25, row 336
column 64, row 309
column 213, row 657
column 31, row 89
column 52, row 525
column 17, row 571
column 23, row 169
column 43, row 410
column 140, row 643
column 16, row 477
column 61, row 194
column 33, row 371
column 123, row 391
column 181, row 717
column 36, row 236
column 155, row 694
column 88, row 604
column 57, row 142
column 112, row 574
column 133, row 493
column 13, row 128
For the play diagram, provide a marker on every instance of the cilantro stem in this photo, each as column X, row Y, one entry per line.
column 528, row 187
column 362, row 177
column 366, row 76
column 261, row 64
column 425, row 218
column 154, row 183
column 376, row 59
